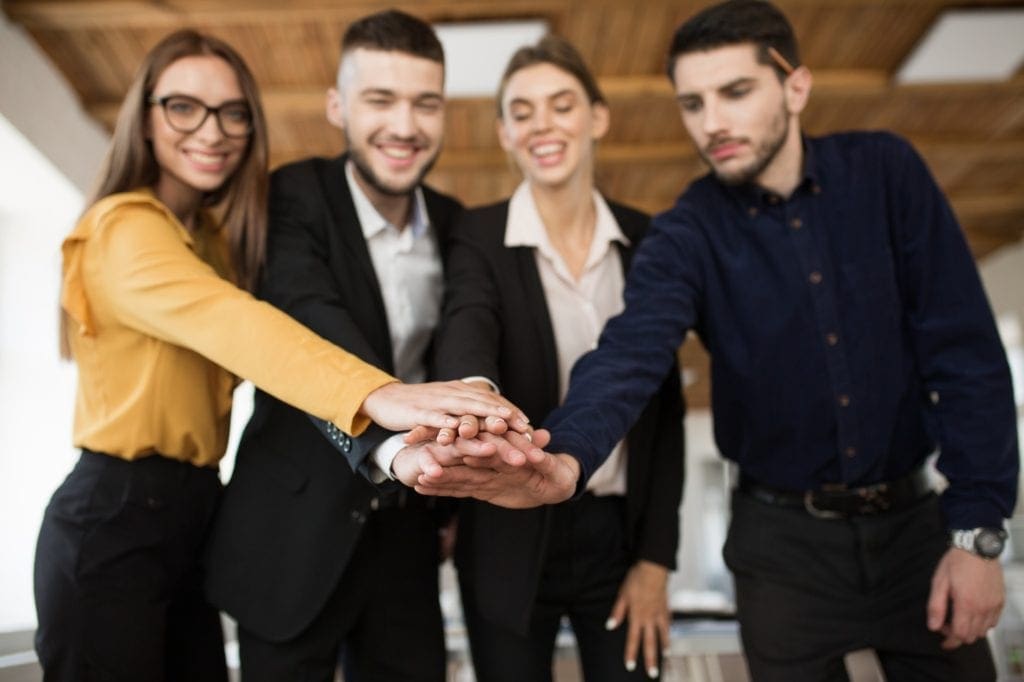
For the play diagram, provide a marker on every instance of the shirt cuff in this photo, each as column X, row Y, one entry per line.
column 469, row 380
column 383, row 455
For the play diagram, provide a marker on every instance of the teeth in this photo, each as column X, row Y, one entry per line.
column 546, row 149
column 397, row 152
column 206, row 158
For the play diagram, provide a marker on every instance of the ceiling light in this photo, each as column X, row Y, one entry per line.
column 983, row 44
column 476, row 52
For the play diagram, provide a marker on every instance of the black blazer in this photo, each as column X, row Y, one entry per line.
column 496, row 324
column 294, row 508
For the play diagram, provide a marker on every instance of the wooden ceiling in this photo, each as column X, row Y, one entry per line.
column 972, row 135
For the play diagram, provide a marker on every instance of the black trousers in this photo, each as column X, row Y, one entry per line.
column 118, row 583
column 810, row 590
column 584, row 567
column 384, row 617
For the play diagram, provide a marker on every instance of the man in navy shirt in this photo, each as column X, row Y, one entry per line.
column 850, row 338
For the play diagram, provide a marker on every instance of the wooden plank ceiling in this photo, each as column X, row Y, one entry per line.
column 972, row 135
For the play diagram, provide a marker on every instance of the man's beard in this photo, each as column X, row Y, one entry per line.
column 375, row 182
column 764, row 154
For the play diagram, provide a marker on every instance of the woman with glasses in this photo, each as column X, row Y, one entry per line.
column 156, row 315
column 531, row 282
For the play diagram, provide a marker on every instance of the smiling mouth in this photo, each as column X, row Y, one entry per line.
column 399, row 153
column 207, row 160
column 547, row 151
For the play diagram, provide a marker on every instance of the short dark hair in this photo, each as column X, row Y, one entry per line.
column 733, row 22
column 393, row 30
column 558, row 52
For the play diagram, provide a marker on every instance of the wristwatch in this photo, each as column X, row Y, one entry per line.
column 987, row 543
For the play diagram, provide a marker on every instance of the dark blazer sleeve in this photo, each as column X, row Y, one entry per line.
column 469, row 338
column 298, row 279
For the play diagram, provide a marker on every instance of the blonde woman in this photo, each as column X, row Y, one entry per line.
column 531, row 282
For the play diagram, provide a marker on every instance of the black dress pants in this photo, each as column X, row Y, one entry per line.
column 384, row 617
column 585, row 565
column 810, row 590
column 118, row 583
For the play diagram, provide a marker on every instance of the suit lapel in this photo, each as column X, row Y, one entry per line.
column 346, row 222
column 536, row 302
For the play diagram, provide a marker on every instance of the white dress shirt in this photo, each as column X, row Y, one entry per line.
column 408, row 267
column 578, row 308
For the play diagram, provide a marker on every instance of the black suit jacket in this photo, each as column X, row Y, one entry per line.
column 295, row 507
column 496, row 324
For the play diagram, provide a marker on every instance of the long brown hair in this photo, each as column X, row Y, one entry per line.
column 558, row 52
column 131, row 164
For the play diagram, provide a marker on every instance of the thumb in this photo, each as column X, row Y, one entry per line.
column 938, row 600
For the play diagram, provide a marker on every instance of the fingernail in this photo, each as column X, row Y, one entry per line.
column 630, row 666
column 610, row 624
column 451, row 422
column 528, row 436
column 653, row 671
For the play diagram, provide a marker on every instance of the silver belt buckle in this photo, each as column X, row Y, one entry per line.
column 819, row 513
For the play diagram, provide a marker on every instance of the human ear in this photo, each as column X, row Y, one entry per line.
column 503, row 137
column 798, row 89
column 601, row 116
column 335, row 108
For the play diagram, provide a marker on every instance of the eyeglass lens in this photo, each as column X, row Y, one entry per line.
column 186, row 114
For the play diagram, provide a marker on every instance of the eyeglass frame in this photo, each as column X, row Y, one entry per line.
column 162, row 103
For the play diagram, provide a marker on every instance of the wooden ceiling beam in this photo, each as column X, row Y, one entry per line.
column 113, row 14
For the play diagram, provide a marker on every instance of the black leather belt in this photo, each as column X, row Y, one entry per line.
column 838, row 501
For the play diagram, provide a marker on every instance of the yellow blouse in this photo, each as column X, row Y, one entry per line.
column 158, row 334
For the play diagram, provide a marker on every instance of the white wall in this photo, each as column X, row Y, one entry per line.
column 38, row 205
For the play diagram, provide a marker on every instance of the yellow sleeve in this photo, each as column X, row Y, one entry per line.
column 137, row 265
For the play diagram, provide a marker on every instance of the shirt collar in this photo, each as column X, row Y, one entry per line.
column 524, row 226
column 753, row 195
column 370, row 219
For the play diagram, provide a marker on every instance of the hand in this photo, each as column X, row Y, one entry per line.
column 427, row 458
column 643, row 602
column 519, row 475
column 974, row 588
column 400, row 407
column 469, row 426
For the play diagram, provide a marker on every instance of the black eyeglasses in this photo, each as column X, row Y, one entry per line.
column 187, row 114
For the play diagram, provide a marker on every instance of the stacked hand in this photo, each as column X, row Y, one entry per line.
column 489, row 452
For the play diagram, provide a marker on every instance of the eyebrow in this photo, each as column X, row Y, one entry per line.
column 385, row 92
column 554, row 95
column 742, row 80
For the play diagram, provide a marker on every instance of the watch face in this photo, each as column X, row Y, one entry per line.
column 989, row 543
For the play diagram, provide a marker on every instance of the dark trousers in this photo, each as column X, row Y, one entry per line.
column 118, row 583
column 585, row 564
column 810, row 590
column 384, row 617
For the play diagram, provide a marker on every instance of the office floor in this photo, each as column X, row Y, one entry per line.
column 701, row 650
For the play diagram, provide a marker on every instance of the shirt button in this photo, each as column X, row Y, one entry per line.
column 814, row 277
column 375, row 503
column 358, row 516
column 816, row 189
column 796, row 223
column 752, row 212
column 772, row 199
column 850, row 451
column 831, row 338
column 844, row 400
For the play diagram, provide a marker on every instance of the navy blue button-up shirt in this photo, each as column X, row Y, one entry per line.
column 848, row 331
